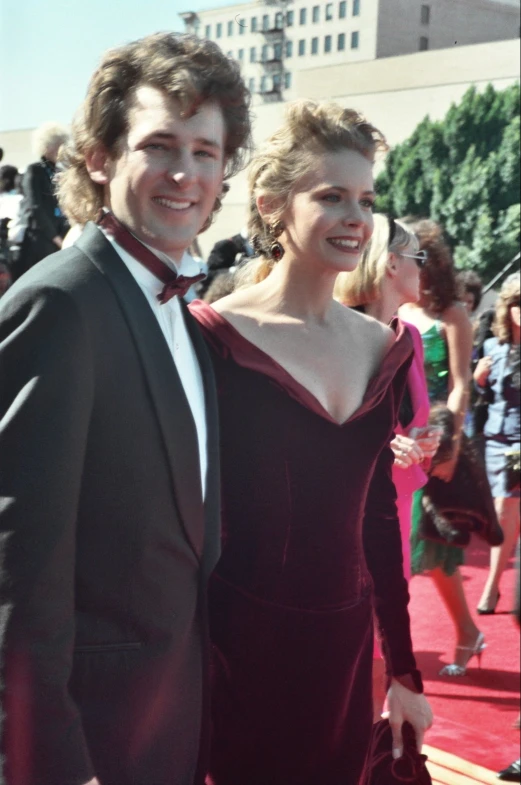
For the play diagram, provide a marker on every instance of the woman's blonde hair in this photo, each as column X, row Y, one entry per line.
column 363, row 285
column 185, row 67
column 309, row 129
column 48, row 136
column 508, row 296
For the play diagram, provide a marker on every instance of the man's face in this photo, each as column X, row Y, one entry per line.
column 168, row 171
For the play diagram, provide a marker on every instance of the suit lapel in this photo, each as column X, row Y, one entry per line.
column 166, row 390
column 212, row 505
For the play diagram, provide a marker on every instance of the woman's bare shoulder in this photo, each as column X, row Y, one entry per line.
column 456, row 314
column 241, row 302
column 368, row 330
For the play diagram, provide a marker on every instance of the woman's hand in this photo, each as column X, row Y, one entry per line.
column 428, row 439
column 406, row 451
column 405, row 705
column 482, row 371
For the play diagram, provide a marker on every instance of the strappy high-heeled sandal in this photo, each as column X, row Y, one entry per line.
column 475, row 651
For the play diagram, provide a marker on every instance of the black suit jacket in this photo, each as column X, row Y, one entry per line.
column 105, row 542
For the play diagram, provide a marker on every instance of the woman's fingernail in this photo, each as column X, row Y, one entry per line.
column 397, row 753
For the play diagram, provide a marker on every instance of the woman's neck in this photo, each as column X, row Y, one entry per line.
column 516, row 333
column 386, row 307
column 298, row 291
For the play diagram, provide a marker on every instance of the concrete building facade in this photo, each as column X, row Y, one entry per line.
column 275, row 40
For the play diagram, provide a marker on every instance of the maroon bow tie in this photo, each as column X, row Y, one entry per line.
column 174, row 284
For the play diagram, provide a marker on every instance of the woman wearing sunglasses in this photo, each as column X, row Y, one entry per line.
column 387, row 277
column 446, row 333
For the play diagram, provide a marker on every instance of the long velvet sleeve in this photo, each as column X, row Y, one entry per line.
column 46, row 396
column 383, row 550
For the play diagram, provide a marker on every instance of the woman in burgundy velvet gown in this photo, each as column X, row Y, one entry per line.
column 308, row 392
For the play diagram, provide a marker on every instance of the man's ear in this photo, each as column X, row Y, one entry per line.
column 97, row 162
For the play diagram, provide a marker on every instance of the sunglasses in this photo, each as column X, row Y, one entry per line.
column 420, row 257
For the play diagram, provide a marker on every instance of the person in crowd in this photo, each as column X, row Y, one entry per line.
column 447, row 340
column 308, row 393
column 10, row 202
column 108, row 437
column 387, row 277
column 45, row 224
column 222, row 285
column 498, row 373
column 470, row 288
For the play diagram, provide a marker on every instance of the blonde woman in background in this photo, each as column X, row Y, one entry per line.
column 447, row 338
column 307, row 396
column 387, row 277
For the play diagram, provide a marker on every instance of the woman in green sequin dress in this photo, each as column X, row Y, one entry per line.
column 447, row 340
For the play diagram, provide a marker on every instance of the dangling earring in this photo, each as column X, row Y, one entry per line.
column 276, row 248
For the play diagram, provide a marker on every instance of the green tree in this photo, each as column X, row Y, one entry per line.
column 463, row 172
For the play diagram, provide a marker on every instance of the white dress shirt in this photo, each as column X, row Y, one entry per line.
column 170, row 318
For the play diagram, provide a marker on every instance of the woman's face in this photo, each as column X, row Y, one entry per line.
column 407, row 276
column 515, row 315
column 329, row 219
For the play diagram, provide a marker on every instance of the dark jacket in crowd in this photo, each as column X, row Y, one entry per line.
column 41, row 214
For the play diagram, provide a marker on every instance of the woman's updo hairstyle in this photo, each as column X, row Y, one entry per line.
column 309, row 129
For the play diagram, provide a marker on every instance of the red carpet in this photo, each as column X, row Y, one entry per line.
column 473, row 714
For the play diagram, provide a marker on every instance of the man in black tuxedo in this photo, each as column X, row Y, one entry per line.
column 109, row 485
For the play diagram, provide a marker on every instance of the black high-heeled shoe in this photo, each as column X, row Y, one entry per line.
column 512, row 773
column 489, row 611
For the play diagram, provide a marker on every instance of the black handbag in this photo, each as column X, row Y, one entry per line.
column 385, row 770
column 453, row 511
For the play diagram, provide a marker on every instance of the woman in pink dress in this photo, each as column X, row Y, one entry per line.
column 308, row 397
column 387, row 277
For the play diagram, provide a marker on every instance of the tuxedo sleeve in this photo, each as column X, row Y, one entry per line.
column 46, row 393
column 34, row 182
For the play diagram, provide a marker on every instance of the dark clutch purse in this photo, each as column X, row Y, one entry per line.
column 513, row 470
column 453, row 511
column 384, row 770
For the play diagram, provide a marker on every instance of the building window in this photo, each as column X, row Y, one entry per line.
column 265, row 22
column 253, row 54
column 230, row 28
column 219, row 30
column 277, row 81
column 290, row 16
column 302, row 16
column 289, row 48
column 355, row 40
column 341, row 42
column 301, row 47
column 242, row 29
column 342, row 9
column 287, row 80
column 229, row 53
column 263, row 84
column 327, row 44
column 277, row 52
column 425, row 14
column 356, row 7
column 253, row 25
column 251, row 85
column 264, row 53
column 316, row 14
column 424, row 43
column 240, row 55
column 329, row 11
column 314, row 46
column 208, row 31
column 279, row 20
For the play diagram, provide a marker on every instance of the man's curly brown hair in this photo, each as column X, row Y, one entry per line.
column 438, row 284
column 185, row 67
